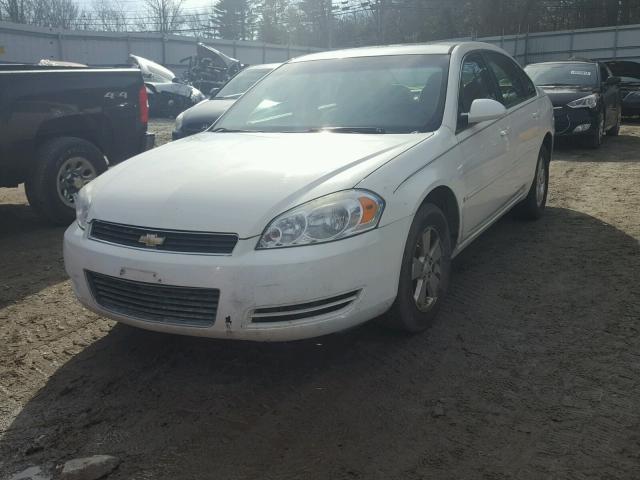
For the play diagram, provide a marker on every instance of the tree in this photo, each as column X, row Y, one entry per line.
column 235, row 19
column 164, row 16
column 108, row 15
column 273, row 21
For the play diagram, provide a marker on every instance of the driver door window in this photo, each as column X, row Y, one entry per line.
column 475, row 83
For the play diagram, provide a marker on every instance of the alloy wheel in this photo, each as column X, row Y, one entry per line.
column 426, row 271
column 73, row 174
column 541, row 181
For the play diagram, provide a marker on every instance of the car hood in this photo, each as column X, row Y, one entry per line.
column 237, row 182
column 205, row 112
column 560, row 96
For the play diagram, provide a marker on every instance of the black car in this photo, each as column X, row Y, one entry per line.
column 585, row 96
column 629, row 73
column 201, row 116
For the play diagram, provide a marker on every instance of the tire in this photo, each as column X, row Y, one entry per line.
column 532, row 207
column 595, row 139
column 615, row 130
column 406, row 313
column 63, row 166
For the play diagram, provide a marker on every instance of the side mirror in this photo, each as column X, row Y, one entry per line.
column 484, row 109
column 213, row 92
column 612, row 81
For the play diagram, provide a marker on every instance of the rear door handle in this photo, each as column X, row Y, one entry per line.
column 535, row 114
column 505, row 132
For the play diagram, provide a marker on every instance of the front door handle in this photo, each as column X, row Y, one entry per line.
column 535, row 114
column 505, row 132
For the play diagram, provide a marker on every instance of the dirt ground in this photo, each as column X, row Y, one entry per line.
column 532, row 370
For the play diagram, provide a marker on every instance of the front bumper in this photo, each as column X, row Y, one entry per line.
column 567, row 119
column 250, row 279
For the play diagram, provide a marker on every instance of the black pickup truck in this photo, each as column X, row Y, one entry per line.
column 60, row 127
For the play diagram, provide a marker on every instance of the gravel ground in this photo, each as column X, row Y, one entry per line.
column 532, row 371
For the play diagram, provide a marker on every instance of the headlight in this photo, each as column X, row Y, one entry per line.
column 590, row 101
column 332, row 217
column 83, row 204
column 178, row 125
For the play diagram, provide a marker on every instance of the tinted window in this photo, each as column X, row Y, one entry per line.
column 570, row 74
column 529, row 87
column 604, row 73
column 509, row 80
column 475, row 82
column 394, row 94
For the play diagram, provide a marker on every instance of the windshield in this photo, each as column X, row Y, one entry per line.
column 574, row 74
column 242, row 82
column 381, row 94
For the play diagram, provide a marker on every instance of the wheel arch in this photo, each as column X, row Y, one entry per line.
column 445, row 199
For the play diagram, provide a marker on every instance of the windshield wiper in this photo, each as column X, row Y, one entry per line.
column 377, row 130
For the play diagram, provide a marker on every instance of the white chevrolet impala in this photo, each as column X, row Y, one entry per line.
column 335, row 191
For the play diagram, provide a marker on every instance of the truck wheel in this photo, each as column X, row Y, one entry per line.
column 532, row 207
column 425, row 272
column 63, row 166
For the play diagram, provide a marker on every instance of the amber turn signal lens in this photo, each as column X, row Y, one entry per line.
column 369, row 209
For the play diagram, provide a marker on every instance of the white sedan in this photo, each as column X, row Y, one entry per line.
column 335, row 191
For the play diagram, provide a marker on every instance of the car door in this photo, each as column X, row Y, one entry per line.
column 518, row 95
column 611, row 96
column 484, row 147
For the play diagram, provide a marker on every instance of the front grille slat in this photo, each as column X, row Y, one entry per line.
column 173, row 240
column 145, row 296
column 165, row 307
column 301, row 311
column 154, row 302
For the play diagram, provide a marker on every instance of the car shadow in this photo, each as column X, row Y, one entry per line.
column 30, row 253
column 623, row 148
column 528, row 307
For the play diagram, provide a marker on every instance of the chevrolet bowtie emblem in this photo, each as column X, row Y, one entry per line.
column 151, row 240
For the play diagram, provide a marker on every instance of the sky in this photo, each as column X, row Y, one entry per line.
column 133, row 6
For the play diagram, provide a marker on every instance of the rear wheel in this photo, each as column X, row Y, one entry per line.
column 63, row 166
column 425, row 272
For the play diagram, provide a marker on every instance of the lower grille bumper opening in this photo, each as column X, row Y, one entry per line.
column 301, row 311
column 185, row 306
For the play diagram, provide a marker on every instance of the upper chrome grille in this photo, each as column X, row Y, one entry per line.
column 168, row 240
column 156, row 303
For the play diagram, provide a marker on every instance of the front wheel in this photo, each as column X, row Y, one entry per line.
column 532, row 207
column 425, row 272
column 615, row 130
column 63, row 166
column 595, row 139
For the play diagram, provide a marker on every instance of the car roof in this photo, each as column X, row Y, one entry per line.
column 437, row 48
column 263, row 66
